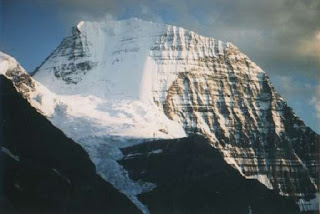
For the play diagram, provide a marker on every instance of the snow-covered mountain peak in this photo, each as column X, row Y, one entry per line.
column 118, row 58
column 117, row 82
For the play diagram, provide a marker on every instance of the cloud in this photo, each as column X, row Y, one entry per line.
column 308, row 47
column 296, row 89
column 315, row 102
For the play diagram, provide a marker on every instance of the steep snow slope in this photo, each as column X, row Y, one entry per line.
column 101, row 128
column 100, row 66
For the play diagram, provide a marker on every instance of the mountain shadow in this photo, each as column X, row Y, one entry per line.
column 192, row 177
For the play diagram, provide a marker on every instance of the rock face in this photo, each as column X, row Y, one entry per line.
column 75, row 56
column 113, row 84
column 41, row 170
column 230, row 100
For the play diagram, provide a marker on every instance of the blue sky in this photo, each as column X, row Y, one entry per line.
column 281, row 36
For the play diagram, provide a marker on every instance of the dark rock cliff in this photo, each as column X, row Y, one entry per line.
column 192, row 177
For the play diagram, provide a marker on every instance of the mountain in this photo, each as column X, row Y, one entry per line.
column 111, row 85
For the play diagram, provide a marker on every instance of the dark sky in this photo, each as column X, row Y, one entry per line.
column 281, row 36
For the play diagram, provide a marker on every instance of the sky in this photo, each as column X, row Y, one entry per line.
column 281, row 36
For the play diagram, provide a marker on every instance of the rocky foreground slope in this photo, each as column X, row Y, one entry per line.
column 114, row 84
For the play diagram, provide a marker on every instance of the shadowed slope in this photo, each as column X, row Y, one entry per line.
column 192, row 177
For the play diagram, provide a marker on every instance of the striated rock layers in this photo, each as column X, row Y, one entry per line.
column 226, row 97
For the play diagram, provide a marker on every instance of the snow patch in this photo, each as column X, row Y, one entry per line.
column 263, row 179
column 8, row 152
